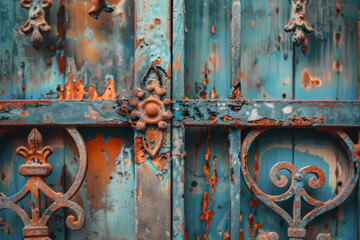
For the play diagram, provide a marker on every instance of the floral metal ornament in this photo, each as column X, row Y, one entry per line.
column 297, row 191
column 298, row 23
column 36, row 23
column 98, row 7
column 36, row 168
column 150, row 109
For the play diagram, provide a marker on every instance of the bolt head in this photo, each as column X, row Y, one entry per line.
column 140, row 126
column 162, row 125
column 298, row 176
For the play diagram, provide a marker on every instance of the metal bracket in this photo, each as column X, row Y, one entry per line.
column 150, row 109
column 37, row 168
column 298, row 23
column 297, row 223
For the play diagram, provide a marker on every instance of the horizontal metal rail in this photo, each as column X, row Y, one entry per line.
column 234, row 113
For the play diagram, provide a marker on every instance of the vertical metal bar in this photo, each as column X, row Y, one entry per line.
column 235, row 50
column 358, row 57
column 178, row 136
column 235, row 142
column 235, row 133
column 153, row 175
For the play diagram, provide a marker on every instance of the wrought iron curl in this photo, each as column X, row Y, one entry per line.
column 37, row 168
column 297, row 224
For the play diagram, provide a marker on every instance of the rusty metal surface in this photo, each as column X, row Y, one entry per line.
column 298, row 221
column 298, row 23
column 98, row 7
column 37, row 168
column 257, row 113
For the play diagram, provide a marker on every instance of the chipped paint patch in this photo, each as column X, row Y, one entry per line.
column 287, row 109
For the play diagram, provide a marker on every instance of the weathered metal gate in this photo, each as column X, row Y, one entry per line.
column 179, row 119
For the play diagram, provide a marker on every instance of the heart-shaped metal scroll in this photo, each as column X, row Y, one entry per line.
column 37, row 168
column 297, row 224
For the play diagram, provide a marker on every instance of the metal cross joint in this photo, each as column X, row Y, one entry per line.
column 297, row 182
column 36, row 168
column 151, row 108
column 298, row 23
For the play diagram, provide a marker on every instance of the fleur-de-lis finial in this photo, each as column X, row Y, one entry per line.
column 298, row 23
column 37, row 168
column 36, row 23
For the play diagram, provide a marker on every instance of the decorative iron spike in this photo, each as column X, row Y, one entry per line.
column 37, row 168
column 150, row 109
column 297, row 222
column 98, row 7
column 36, row 23
column 298, row 23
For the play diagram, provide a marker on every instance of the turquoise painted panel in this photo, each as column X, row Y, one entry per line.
column 26, row 72
column 108, row 192
column 207, row 184
column 207, row 49
column 326, row 63
column 11, row 181
column 266, row 51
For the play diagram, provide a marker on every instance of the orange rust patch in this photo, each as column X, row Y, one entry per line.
column 158, row 60
column 3, row 91
column 258, row 226
column 256, row 164
column 295, row 120
column 76, row 90
column 101, row 157
column 24, row 113
column 206, row 214
column 213, row 119
column 197, row 237
column 278, row 39
column 338, row 9
column 213, row 93
column 186, row 235
column 61, row 64
column 253, row 202
column 226, row 118
column 226, row 235
column 309, row 81
column 157, row 21
column 305, row 48
column 140, row 155
column 23, row 87
column 47, row 118
column 213, row 29
column 176, row 63
column 250, row 225
column 241, row 234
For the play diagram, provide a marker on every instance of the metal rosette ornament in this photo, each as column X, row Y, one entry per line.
column 151, row 109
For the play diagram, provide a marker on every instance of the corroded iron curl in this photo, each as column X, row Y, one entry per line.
column 37, row 168
column 298, row 23
column 150, row 109
column 297, row 223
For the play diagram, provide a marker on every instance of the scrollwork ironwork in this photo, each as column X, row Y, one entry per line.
column 296, row 223
column 37, row 168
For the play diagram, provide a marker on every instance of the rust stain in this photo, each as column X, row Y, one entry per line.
column 258, row 226
column 250, row 225
column 305, row 48
column 23, row 87
column 206, row 214
column 213, row 29
column 241, row 234
column 308, row 81
column 102, row 164
column 176, row 63
column 295, row 120
column 256, row 164
column 157, row 21
column 338, row 9
column 47, row 118
column 213, row 119
column 226, row 235
column 186, row 235
column 76, row 90
column 3, row 91
column 61, row 64
column 213, row 93
column 253, row 202
column 337, row 38
column 197, row 237
column 140, row 155
column 278, row 39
